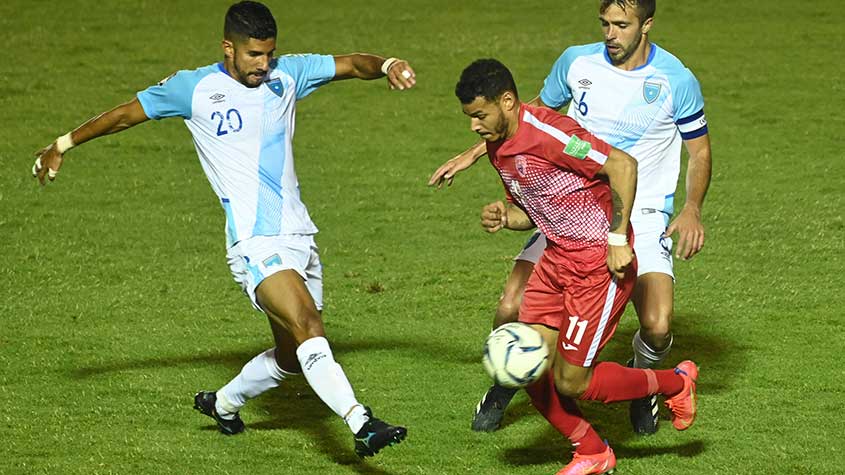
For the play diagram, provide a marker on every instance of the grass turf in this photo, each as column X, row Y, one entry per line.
column 117, row 304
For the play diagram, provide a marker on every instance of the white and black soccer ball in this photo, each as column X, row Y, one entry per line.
column 515, row 355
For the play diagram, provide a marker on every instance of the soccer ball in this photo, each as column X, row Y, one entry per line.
column 515, row 355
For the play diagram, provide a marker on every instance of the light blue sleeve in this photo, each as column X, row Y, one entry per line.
column 172, row 96
column 686, row 95
column 309, row 71
column 556, row 92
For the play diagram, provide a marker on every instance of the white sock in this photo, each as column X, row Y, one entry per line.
column 258, row 375
column 644, row 356
column 327, row 379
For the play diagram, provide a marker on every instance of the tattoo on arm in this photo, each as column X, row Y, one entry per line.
column 616, row 218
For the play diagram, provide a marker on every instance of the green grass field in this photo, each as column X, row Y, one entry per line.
column 116, row 303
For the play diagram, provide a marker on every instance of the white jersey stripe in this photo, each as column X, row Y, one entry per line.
column 605, row 316
column 561, row 136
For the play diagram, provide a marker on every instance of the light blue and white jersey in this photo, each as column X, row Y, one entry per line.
column 243, row 137
column 647, row 112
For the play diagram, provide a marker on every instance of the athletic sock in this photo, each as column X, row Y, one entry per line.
column 327, row 379
column 258, row 375
column 612, row 382
column 644, row 356
column 563, row 414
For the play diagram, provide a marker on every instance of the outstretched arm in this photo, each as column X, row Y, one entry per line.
column 460, row 162
column 688, row 222
column 49, row 159
column 621, row 170
column 369, row 66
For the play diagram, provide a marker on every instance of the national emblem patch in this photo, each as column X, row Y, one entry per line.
column 651, row 91
column 275, row 85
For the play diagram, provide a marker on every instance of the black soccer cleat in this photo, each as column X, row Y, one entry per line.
column 491, row 409
column 643, row 412
column 204, row 402
column 376, row 435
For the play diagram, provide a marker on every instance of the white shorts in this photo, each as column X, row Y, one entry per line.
column 533, row 248
column 253, row 260
column 653, row 250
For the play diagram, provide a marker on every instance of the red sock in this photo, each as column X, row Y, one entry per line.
column 564, row 415
column 612, row 382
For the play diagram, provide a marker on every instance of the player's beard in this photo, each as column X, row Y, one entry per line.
column 626, row 52
column 247, row 78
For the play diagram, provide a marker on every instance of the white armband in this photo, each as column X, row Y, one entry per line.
column 387, row 64
column 64, row 143
column 616, row 239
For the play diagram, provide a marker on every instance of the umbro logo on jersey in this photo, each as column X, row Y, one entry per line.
column 568, row 347
column 217, row 97
column 585, row 82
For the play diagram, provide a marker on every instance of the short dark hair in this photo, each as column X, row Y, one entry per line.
column 246, row 20
column 487, row 78
column 645, row 8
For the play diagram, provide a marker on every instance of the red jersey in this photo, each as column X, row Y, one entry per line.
column 549, row 170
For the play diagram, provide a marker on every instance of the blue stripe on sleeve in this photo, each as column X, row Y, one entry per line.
column 694, row 134
column 691, row 118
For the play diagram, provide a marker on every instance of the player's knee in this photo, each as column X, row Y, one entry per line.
column 569, row 385
column 508, row 310
column 656, row 329
column 305, row 326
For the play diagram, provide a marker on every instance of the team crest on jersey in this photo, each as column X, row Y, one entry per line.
column 275, row 85
column 651, row 91
column 521, row 165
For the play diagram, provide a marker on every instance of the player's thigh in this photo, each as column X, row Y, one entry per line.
column 255, row 259
column 542, row 301
column 287, row 301
column 652, row 247
column 594, row 304
column 571, row 380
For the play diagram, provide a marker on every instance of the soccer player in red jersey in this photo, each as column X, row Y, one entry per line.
column 578, row 191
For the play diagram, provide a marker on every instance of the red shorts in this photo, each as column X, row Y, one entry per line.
column 585, row 308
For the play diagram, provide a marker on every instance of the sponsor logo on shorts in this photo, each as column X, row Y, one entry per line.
column 577, row 148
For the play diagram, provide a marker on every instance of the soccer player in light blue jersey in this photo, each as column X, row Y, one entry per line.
column 639, row 98
column 240, row 113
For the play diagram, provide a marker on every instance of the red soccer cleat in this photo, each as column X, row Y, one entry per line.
column 604, row 462
column 683, row 404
